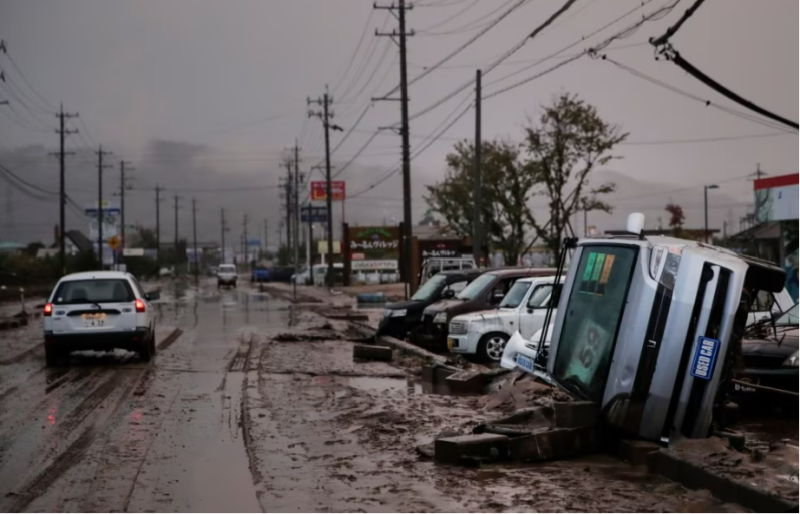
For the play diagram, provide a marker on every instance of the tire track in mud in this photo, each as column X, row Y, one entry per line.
column 169, row 340
column 75, row 452
column 245, row 420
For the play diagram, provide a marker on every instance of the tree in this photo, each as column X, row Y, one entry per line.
column 676, row 218
column 568, row 143
column 506, row 186
column 142, row 237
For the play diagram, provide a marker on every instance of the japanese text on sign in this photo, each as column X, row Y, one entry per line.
column 318, row 190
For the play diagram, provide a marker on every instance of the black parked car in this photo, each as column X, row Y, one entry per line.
column 770, row 360
column 401, row 317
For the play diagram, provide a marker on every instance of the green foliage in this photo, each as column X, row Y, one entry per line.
column 569, row 141
column 506, row 187
column 560, row 151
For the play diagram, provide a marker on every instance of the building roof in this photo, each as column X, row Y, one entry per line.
column 768, row 230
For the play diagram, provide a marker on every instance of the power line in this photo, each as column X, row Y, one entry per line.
column 691, row 96
column 47, row 104
column 464, row 45
column 456, row 15
column 673, row 55
column 355, row 52
column 573, row 44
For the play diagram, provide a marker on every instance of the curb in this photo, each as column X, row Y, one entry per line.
column 726, row 489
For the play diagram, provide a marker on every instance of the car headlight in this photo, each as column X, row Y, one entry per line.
column 440, row 318
column 399, row 313
column 791, row 361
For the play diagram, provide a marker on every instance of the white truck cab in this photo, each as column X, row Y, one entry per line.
column 523, row 310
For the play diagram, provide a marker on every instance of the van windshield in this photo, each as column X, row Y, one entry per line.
column 515, row 295
column 591, row 318
column 476, row 287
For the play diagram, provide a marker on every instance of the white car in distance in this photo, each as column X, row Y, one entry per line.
column 523, row 310
column 99, row 310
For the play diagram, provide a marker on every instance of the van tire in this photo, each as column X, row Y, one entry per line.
column 146, row 350
column 489, row 344
column 53, row 356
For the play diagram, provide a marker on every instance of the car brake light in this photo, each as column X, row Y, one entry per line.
column 48, row 309
column 139, row 305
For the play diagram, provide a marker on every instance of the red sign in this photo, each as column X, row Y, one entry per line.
column 337, row 190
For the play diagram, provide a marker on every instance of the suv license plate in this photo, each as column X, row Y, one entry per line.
column 525, row 363
column 94, row 320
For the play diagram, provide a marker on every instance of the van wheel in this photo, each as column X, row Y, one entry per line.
column 52, row 356
column 491, row 346
column 146, row 350
column 153, row 341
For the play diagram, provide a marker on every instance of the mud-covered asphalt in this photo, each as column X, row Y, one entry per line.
column 254, row 405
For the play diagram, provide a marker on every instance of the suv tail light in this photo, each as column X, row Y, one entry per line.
column 139, row 305
column 48, row 309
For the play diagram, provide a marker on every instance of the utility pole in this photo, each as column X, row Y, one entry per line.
column 326, row 115
column 287, row 193
column 194, row 238
column 62, row 132
column 122, row 187
column 296, row 200
column 244, row 240
column 100, row 166
column 399, row 37
column 476, row 179
column 223, row 229
column 176, row 229
column 158, row 226
column 266, row 236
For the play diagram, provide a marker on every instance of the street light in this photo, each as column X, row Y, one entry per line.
column 705, row 207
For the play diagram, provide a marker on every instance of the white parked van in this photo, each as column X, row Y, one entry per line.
column 523, row 309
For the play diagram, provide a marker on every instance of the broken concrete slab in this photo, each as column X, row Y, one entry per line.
column 369, row 352
column 575, row 414
column 553, row 443
column 695, row 476
column 437, row 373
column 452, row 450
column 466, row 381
column 635, row 452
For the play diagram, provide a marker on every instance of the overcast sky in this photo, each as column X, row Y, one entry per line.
column 203, row 94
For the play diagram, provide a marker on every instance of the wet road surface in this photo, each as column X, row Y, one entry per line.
column 251, row 405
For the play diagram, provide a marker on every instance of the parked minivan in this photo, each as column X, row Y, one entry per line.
column 485, row 292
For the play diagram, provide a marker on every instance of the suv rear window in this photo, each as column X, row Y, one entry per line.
column 115, row 290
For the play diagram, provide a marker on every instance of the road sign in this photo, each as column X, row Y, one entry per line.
column 113, row 242
column 337, row 190
column 313, row 214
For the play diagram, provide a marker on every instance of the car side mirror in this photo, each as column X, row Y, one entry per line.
column 155, row 295
column 448, row 294
column 497, row 296
column 530, row 310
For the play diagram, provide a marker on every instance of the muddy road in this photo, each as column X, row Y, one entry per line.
column 254, row 405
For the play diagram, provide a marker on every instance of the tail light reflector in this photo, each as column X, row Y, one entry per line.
column 48, row 309
column 139, row 305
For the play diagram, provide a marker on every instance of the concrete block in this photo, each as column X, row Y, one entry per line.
column 636, row 452
column 368, row 352
column 466, row 381
column 575, row 414
column 481, row 446
column 554, row 443
column 436, row 373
